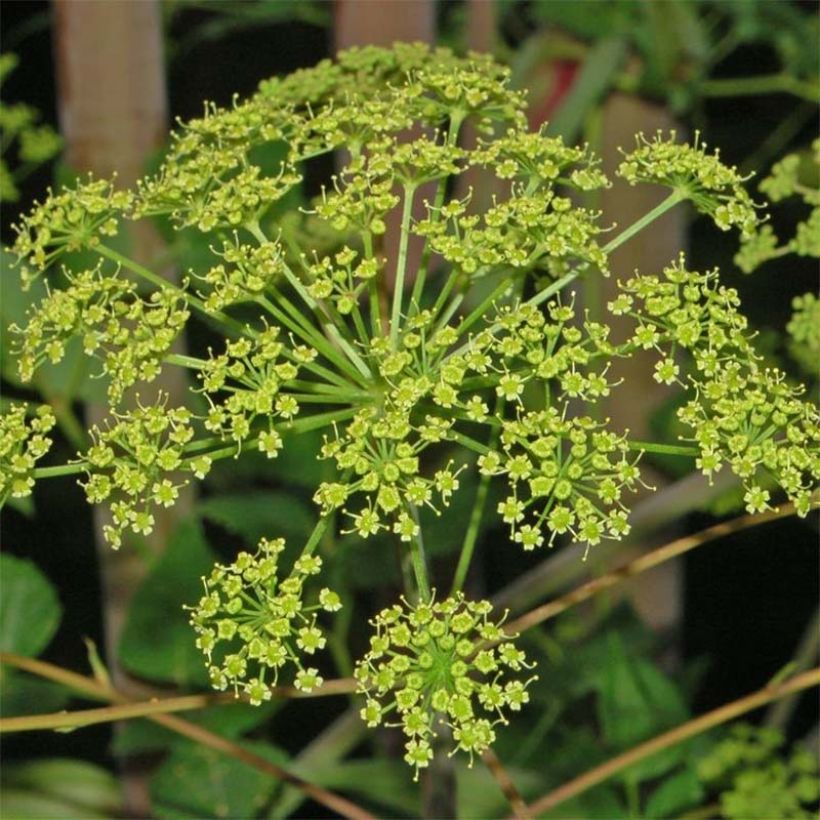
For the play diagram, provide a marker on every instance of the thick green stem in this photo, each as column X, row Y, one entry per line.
column 316, row 536
column 401, row 264
column 59, row 470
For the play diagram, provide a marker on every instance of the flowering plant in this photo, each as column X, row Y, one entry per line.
column 461, row 349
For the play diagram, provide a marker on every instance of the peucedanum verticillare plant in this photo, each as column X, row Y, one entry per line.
column 460, row 349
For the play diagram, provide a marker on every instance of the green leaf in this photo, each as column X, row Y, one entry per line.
column 22, row 694
column 635, row 702
column 478, row 792
column 58, row 788
column 157, row 641
column 195, row 781
column 29, row 608
column 679, row 792
column 261, row 515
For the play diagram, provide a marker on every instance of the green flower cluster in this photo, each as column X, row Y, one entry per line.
column 138, row 463
column 36, row 144
column 535, row 230
column 567, row 474
column 742, row 413
column 252, row 373
column 789, row 178
column 457, row 350
column 441, row 661
column 714, row 189
column 756, row 780
column 130, row 334
column 250, row 624
column 23, row 441
column 804, row 329
column 70, row 221
column 244, row 274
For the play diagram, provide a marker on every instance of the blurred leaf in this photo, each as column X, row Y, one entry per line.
column 387, row 783
column 596, row 76
column 478, row 792
column 258, row 515
column 29, row 608
column 613, row 17
column 601, row 803
column 157, row 642
column 298, row 463
column 230, row 720
column 679, row 792
column 22, row 694
column 195, row 781
column 58, row 788
column 635, row 702
column 365, row 563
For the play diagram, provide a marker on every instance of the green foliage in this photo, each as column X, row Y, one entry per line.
column 758, row 781
column 156, row 639
column 29, row 609
column 58, row 787
column 194, row 781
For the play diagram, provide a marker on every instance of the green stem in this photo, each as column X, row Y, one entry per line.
column 316, row 535
column 476, row 314
column 648, row 218
column 763, row 84
column 673, row 737
column 59, row 470
column 470, row 443
column 471, row 536
column 330, row 329
column 401, row 265
column 419, row 561
column 664, row 449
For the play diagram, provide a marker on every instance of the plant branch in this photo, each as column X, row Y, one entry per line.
column 648, row 218
column 653, row 559
column 401, row 264
column 471, row 536
column 502, row 777
column 691, row 728
column 762, row 84
column 97, row 690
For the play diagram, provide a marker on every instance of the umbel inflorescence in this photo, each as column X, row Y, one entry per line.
column 452, row 343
